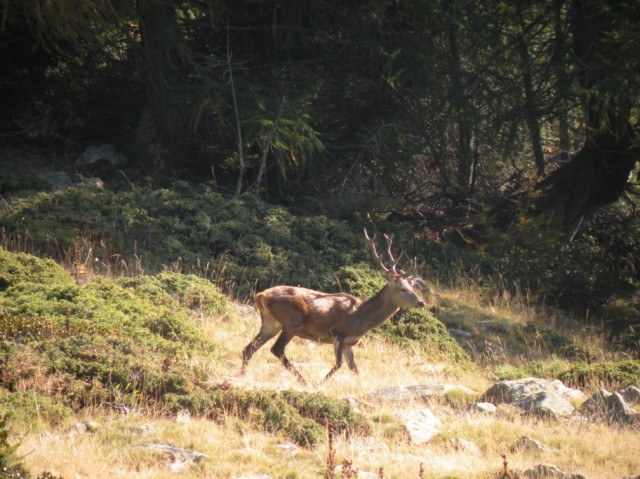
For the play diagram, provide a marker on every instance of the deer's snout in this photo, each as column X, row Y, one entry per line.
column 421, row 304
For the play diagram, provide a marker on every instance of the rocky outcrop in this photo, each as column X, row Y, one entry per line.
column 424, row 392
column 549, row 471
column 533, row 395
column 611, row 407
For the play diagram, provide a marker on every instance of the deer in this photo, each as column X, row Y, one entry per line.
column 340, row 319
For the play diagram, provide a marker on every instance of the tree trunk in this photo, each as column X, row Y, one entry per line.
column 598, row 174
column 162, row 133
column 530, row 106
column 467, row 143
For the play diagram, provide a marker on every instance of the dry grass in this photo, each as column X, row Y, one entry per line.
column 234, row 448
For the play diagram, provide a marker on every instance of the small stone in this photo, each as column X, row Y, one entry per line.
column 145, row 428
column 462, row 445
column 86, row 426
column 526, row 443
column 182, row 458
column 288, row 447
column 482, row 407
column 421, row 424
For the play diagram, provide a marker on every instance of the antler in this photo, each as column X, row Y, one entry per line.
column 394, row 261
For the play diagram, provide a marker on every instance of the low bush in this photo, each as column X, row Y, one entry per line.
column 610, row 374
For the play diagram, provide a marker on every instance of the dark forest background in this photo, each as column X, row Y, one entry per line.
column 506, row 129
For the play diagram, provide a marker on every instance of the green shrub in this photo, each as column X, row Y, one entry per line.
column 18, row 268
column 30, row 407
column 612, row 374
column 10, row 463
column 552, row 369
column 326, row 410
column 271, row 411
column 240, row 241
column 301, row 417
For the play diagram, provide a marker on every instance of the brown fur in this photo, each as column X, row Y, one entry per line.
column 341, row 319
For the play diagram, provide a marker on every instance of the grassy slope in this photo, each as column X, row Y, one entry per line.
column 160, row 348
column 236, row 446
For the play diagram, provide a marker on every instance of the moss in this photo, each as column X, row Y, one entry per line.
column 457, row 398
column 184, row 290
column 301, row 417
column 551, row 369
column 121, row 340
column 30, row 407
column 271, row 411
column 244, row 239
column 10, row 462
column 18, row 268
column 611, row 374
column 242, row 243
column 326, row 410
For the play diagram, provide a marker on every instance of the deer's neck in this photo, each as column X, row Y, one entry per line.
column 376, row 310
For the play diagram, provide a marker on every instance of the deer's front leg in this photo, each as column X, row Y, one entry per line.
column 338, row 344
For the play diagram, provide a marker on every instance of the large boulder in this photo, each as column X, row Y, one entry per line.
column 610, row 407
column 534, row 395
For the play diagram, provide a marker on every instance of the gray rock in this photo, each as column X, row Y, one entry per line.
column 630, row 394
column 420, row 392
column 548, row 471
column 58, row 180
column 182, row 458
column 462, row 445
column 288, row 447
column 482, row 407
column 421, row 424
column 105, row 152
column 546, row 403
column 86, row 426
column 529, row 444
column 610, row 407
column 459, row 334
column 538, row 396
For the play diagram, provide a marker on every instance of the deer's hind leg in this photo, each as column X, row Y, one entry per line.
column 278, row 351
column 338, row 344
column 351, row 361
column 270, row 327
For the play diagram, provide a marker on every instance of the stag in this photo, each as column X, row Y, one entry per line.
column 339, row 319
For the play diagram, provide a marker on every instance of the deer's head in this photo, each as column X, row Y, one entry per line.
column 404, row 288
